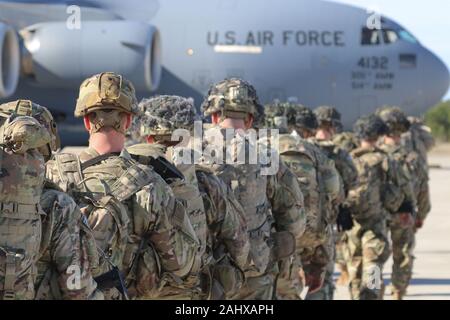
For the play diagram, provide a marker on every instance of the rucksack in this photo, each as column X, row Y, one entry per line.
column 137, row 259
column 184, row 185
column 21, row 184
column 375, row 192
column 57, row 208
column 317, row 182
column 106, row 215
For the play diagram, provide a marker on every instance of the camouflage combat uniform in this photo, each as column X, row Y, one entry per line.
column 218, row 219
column 379, row 193
column 320, row 185
column 348, row 176
column 346, row 141
column 142, row 228
column 21, row 185
column 419, row 139
column 67, row 250
column 403, row 236
column 273, row 204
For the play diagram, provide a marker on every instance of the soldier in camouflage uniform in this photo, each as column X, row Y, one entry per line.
column 319, row 182
column 272, row 201
column 402, row 224
column 380, row 192
column 141, row 228
column 346, row 140
column 64, row 243
column 418, row 139
column 329, row 120
column 217, row 217
column 21, row 186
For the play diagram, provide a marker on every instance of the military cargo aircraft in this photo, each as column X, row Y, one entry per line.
column 314, row 51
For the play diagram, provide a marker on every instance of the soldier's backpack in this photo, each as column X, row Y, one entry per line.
column 375, row 193
column 318, row 184
column 184, row 185
column 116, row 231
column 22, row 175
column 57, row 209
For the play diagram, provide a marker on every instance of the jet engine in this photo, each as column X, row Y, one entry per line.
column 9, row 60
column 61, row 56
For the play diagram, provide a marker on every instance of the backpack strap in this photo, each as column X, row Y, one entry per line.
column 69, row 170
column 131, row 181
column 92, row 162
column 9, row 292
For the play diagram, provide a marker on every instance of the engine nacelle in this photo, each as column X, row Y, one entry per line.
column 9, row 60
column 57, row 56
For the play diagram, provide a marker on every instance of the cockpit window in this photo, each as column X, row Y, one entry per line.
column 370, row 37
column 405, row 35
column 389, row 36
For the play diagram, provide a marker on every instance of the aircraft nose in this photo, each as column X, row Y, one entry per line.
column 436, row 78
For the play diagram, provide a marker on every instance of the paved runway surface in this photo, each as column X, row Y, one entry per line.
column 431, row 279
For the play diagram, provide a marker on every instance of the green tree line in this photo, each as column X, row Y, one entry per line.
column 438, row 119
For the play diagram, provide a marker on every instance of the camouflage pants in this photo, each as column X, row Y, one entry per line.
column 366, row 252
column 403, row 242
column 341, row 242
column 258, row 288
column 289, row 285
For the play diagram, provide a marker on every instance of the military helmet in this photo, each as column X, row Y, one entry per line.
column 275, row 115
column 233, row 98
column 369, row 127
column 42, row 115
column 305, row 118
column 161, row 115
column 328, row 115
column 395, row 119
column 106, row 90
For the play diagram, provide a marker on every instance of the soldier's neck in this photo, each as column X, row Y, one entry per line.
column 368, row 144
column 323, row 135
column 107, row 142
column 392, row 141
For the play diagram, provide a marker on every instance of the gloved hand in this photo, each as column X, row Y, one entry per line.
column 344, row 219
column 419, row 223
column 406, row 219
column 313, row 280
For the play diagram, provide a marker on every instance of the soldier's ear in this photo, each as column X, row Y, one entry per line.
column 150, row 139
column 249, row 122
column 87, row 123
column 215, row 118
column 129, row 118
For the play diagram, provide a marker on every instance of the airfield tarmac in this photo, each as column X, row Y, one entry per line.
column 431, row 278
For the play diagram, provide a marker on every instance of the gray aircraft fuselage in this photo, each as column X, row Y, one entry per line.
column 313, row 51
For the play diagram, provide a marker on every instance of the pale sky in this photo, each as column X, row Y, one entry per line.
column 427, row 20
